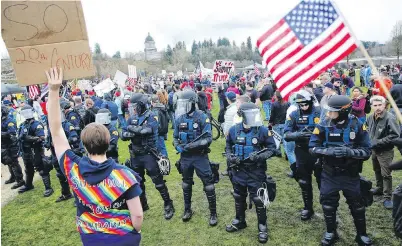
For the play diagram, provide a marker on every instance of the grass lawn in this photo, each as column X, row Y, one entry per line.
column 31, row 219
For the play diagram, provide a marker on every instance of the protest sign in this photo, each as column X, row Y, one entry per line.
column 221, row 70
column 132, row 71
column 104, row 87
column 277, row 138
column 179, row 73
column 84, row 85
column 163, row 73
column 44, row 34
column 120, row 78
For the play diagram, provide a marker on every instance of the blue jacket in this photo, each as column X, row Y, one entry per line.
column 112, row 108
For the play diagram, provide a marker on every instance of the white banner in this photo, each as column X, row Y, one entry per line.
column 104, row 87
column 222, row 70
column 120, row 78
column 84, row 84
column 179, row 73
column 132, row 71
column 277, row 138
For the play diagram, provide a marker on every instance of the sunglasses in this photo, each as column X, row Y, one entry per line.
column 303, row 104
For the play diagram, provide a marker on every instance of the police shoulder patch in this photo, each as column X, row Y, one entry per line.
column 11, row 124
column 207, row 120
column 316, row 131
column 288, row 118
column 73, row 117
column 156, row 118
column 39, row 127
column 71, row 128
column 364, row 127
column 115, row 133
column 269, row 133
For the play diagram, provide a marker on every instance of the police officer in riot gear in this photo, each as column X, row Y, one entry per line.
column 248, row 145
column 142, row 130
column 298, row 128
column 104, row 116
column 72, row 116
column 31, row 136
column 9, row 148
column 74, row 142
column 341, row 141
column 191, row 138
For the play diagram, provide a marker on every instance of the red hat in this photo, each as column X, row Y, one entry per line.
column 242, row 79
column 117, row 93
column 129, row 88
column 91, row 93
column 74, row 93
column 343, row 76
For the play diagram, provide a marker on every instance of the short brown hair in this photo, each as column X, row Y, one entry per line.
column 95, row 137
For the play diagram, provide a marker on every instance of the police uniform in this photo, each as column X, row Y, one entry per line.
column 75, row 119
column 31, row 135
column 9, row 150
column 299, row 127
column 74, row 142
column 113, row 150
column 142, row 130
column 247, row 170
column 342, row 148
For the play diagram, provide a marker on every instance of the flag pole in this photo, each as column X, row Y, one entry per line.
column 372, row 65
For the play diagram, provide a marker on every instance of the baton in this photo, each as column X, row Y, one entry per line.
column 196, row 139
column 259, row 152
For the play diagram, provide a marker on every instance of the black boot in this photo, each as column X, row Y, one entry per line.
column 12, row 176
column 28, row 183
column 187, row 193
column 16, row 168
column 211, row 196
column 307, row 194
column 143, row 198
column 240, row 221
column 48, row 188
column 359, row 218
column 65, row 189
column 330, row 236
column 262, row 220
column 168, row 203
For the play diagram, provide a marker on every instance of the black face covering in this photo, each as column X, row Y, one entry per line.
column 192, row 108
column 309, row 110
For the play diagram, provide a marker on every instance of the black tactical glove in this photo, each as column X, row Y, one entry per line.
column 31, row 139
column 233, row 159
column 197, row 144
column 341, row 152
column 293, row 136
column 127, row 135
column 134, row 129
column 320, row 151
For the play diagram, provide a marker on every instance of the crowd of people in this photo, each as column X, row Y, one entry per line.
column 328, row 128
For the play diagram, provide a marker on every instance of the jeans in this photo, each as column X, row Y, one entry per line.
column 288, row 146
column 171, row 115
column 347, row 91
column 122, row 120
column 266, row 105
column 161, row 145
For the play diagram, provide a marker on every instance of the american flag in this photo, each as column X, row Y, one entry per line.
column 309, row 39
column 131, row 81
column 256, row 70
column 33, row 91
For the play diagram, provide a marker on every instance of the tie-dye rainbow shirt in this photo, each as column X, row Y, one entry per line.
column 101, row 207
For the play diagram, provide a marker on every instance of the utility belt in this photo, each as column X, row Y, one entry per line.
column 196, row 152
column 138, row 151
column 351, row 171
column 247, row 166
column 213, row 165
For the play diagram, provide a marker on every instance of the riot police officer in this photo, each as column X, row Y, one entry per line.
column 72, row 116
column 31, row 136
column 248, row 145
column 191, row 138
column 104, row 116
column 9, row 148
column 298, row 128
column 74, row 142
column 342, row 142
column 142, row 130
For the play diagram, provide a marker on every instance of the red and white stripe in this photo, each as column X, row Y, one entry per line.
column 33, row 91
column 292, row 64
column 256, row 70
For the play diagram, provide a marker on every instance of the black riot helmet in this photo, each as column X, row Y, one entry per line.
column 341, row 104
column 138, row 103
column 186, row 102
column 304, row 98
column 64, row 104
column 4, row 112
column 250, row 113
column 103, row 116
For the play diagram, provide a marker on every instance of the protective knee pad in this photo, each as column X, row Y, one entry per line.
column 304, row 184
column 186, row 186
column 329, row 208
column 209, row 188
column 356, row 205
column 158, row 179
column 331, row 200
column 42, row 173
column 257, row 201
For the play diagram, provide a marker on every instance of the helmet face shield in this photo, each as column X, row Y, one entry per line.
column 27, row 113
column 103, row 118
column 252, row 117
column 183, row 106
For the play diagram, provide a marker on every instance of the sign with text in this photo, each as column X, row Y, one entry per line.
column 84, row 85
column 104, row 87
column 120, row 78
column 44, row 34
column 132, row 71
column 221, row 71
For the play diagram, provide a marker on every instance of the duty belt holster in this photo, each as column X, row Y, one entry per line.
column 215, row 171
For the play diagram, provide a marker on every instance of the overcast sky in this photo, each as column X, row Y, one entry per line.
column 124, row 24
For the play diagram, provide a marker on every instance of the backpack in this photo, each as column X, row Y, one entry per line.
column 367, row 105
column 163, row 122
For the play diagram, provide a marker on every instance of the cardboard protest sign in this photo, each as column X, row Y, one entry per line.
column 104, row 87
column 132, row 71
column 120, row 78
column 277, row 138
column 44, row 34
column 221, row 70
column 84, row 85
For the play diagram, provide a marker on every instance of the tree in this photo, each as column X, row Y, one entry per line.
column 396, row 38
column 117, row 55
column 184, row 46
column 179, row 45
column 243, row 46
column 234, row 44
column 225, row 42
column 98, row 50
column 169, row 54
column 194, row 48
column 249, row 45
column 211, row 44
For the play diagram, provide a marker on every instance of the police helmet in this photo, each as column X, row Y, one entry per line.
column 139, row 103
column 4, row 112
column 250, row 113
column 341, row 104
column 302, row 98
column 104, row 116
column 186, row 102
column 64, row 104
column 27, row 112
